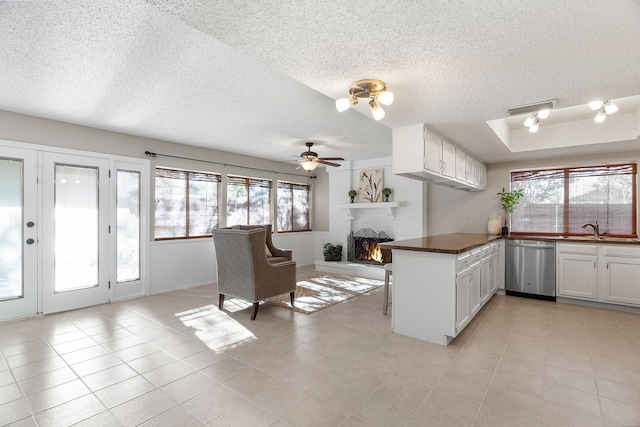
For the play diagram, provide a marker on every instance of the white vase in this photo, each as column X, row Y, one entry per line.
column 494, row 226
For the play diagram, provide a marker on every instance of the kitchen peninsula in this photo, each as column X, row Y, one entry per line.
column 441, row 282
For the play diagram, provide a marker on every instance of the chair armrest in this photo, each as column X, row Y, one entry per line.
column 281, row 253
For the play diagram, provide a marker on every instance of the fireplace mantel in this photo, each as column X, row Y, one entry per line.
column 388, row 206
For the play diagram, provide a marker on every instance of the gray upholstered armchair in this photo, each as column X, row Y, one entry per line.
column 246, row 271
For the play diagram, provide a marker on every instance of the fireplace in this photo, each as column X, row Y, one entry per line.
column 362, row 247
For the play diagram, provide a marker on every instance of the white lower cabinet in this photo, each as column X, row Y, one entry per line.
column 436, row 295
column 488, row 277
column 463, row 300
column 577, row 276
column 476, row 282
column 599, row 272
column 475, row 302
column 620, row 273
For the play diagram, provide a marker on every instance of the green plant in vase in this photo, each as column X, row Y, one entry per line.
column 386, row 191
column 510, row 201
column 352, row 195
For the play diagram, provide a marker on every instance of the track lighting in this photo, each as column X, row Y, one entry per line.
column 375, row 90
column 605, row 108
column 530, row 120
column 376, row 110
column 533, row 121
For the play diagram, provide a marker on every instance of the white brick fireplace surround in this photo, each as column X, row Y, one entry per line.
column 407, row 221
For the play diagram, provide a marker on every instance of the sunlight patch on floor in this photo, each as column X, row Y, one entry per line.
column 215, row 328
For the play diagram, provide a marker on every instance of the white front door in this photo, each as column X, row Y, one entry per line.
column 75, row 230
column 18, row 233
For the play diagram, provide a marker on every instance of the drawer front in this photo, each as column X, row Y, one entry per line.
column 463, row 261
column 577, row 248
column 476, row 255
column 627, row 251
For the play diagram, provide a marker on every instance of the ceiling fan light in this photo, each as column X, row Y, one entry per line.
column 385, row 97
column 343, row 104
column 595, row 105
column 530, row 120
column 543, row 114
column 534, row 126
column 376, row 110
column 309, row 165
column 610, row 107
column 602, row 114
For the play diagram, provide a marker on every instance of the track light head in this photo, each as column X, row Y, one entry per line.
column 374, row 90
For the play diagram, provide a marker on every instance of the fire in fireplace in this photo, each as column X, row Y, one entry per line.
column 362, row 247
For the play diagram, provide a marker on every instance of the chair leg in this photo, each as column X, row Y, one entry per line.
column 256, row 305
column 293, row 297
column 220, row 301
column 386, row 292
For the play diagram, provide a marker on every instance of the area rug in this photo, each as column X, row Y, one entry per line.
column 318, row 292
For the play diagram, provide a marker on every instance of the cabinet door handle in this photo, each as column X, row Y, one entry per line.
column 594, row 264
column 607, row 266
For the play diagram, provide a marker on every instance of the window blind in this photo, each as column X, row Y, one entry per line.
column 559, row 201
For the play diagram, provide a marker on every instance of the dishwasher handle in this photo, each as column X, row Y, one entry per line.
column 531, row 244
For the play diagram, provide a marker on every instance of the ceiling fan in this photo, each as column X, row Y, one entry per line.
column 309, row 159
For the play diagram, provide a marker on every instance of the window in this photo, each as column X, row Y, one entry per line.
column 293, row 207
column 248, row 201
column 560, row 201
column 186, row 203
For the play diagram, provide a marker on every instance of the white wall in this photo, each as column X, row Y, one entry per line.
column 409, row 220
column 320, row 201
column 455, row 211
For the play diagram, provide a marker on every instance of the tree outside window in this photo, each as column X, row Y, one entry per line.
column 560, row 201
column 293, row 206
column 186, row 203
column 248, row 201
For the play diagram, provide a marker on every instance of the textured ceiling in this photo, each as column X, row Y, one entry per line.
column 261, row 77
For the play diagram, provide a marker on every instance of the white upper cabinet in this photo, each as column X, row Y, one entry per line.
column 470, row 174
column 422, row 154
column 448, row 167
column 461, row 164
column 432, row 151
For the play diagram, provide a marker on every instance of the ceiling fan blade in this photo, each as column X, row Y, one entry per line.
column 328, row 163
column 331, row 158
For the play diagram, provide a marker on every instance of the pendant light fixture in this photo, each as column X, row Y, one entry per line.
column 605, row 108
column 375, row 90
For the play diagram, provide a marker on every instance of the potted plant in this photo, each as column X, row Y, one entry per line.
column 387, row 192
column 509, row 200
column 352, row 194
column 331, row 252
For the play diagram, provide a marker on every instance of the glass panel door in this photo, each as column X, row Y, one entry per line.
column 18, row 233
column 128, row 225
column 76, row 231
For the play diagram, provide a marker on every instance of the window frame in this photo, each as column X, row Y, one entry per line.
column 308, row 213
column 248, row 184
column 566, row 173
column 188, row 173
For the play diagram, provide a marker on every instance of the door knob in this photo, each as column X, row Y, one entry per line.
column 30, row 224
column 30, row 241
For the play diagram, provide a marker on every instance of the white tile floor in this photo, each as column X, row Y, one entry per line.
column 175, row 359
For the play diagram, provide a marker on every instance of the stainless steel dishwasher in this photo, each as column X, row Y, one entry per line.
column 530, row 269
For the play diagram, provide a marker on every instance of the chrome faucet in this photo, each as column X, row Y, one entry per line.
column 596, row 229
